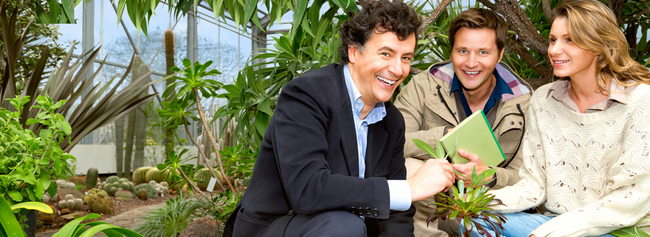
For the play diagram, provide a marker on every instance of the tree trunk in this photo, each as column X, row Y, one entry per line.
column 119, row 146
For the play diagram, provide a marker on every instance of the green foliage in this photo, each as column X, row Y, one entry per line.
column 170, row 219
column 59, row 13
column 220, row 206
column 29, row 162
column 631, row 231
column 310, row 45
column 76, row 229
column 468, row 204
column 9, row 226
column 174, row 166
column 239, row 162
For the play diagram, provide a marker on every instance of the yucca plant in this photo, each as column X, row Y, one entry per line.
column 467, row 203
column 171, row 219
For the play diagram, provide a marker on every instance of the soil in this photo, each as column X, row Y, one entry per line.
column 120, row 207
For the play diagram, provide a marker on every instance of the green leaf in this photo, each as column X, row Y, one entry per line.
column 15, row 195
column 630, row 232
column 425, row 147
column 265, row 107
column 70, row 228
column 8, row 221
column 39, row 206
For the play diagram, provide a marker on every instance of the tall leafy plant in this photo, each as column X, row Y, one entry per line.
column 308, row 46
column 28, row 162
column 187, row 91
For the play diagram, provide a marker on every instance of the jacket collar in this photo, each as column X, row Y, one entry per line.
column 445, row 71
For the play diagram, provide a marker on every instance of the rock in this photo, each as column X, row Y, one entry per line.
column 73, row 215
column 78, row 180
column 64, row 211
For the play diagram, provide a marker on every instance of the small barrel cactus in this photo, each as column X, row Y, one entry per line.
column 139, row 175
column 112, row 179
column 70, row 203
column 202, row 178
column 151, row 191
column 116, row 184
column 62, row 184
column 99, row 202
column 91, row 178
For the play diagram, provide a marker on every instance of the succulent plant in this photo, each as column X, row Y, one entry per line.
column 70, row 203
column 151, row 191
column 202, row 178
column 124, row 195
column 99, row 202
column 139, row 175
column 114, row 184
column 92, row 178
column 62, row 184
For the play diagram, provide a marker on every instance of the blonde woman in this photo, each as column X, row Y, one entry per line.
column 586, row 152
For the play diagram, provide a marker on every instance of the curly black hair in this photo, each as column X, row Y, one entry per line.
column 378, row 17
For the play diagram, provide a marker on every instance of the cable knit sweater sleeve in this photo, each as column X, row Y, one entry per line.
column 530, row 191
column 596, row 166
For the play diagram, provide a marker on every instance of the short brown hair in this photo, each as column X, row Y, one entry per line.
column 378, row 17
column 479, row 18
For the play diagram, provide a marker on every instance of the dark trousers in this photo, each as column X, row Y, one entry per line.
column 333, row 223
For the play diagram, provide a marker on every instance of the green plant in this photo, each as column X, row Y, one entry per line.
column 140, row 174
column 99, row 202
column 29, row 162
column 9, row 226
column 174, row 166
column 240, row 161
column 70, row 203
column 114, row 184
column 170, row 219
column 91, row 178
column 188, row 91
column 467, row 203
column 151, row 191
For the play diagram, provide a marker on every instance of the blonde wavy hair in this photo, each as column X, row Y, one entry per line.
column 592, row 26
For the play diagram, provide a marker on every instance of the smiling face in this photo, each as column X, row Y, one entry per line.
column 474, row 56
column 379, row 66
column 568, row 59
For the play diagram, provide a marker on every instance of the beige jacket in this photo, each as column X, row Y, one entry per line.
column 428, row 108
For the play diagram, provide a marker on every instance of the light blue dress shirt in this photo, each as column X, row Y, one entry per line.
column 400, row 192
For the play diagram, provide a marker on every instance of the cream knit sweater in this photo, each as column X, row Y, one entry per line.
column 592, row 169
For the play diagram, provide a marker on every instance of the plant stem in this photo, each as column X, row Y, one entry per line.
column 194, row 188
column 214, row 144
column 202, row 155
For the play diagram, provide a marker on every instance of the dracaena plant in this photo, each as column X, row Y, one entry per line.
column 467, row 202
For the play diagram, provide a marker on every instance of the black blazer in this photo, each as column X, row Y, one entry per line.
column 312, row 135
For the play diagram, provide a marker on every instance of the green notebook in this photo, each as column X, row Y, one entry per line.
column 474, row 135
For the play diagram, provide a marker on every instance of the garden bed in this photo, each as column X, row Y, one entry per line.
column 121, row 206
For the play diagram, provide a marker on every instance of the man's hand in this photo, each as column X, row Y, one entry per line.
column 466, row 169
column 434, row 176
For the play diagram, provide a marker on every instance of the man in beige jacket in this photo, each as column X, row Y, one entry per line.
column 438, row 99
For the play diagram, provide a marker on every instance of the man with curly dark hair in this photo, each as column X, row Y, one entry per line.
column 331, row 162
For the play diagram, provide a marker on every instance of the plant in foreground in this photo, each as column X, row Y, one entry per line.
column 171, row 219
column 9, row 226
column 467, row 203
